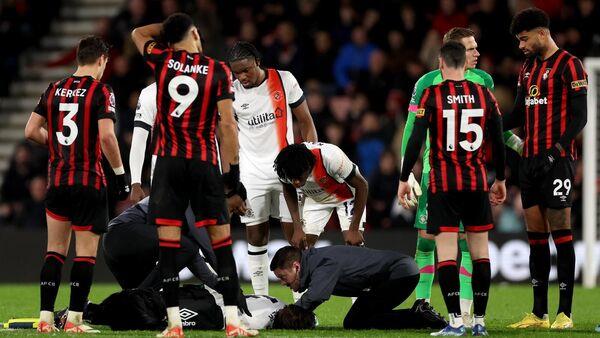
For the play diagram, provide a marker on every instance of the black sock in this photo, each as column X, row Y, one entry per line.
column 82, row 275
column 565, row 257
column 539, row 266
column 449, row 283
column 227, row 271
column 50, row 279
column 168, row 271
column 481, row 285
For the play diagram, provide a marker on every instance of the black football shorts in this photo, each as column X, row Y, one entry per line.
column 85, row 207
column 553, row 189
column 447, row 209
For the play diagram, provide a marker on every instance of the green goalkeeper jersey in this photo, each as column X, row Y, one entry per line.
column 433, row 78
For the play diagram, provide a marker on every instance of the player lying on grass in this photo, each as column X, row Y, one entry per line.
column 202, row 309
column 380, row 279
column 329, row 182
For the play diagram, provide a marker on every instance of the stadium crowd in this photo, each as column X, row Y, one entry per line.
column 356, row 61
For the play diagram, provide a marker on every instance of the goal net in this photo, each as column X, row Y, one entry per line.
column 591, row 174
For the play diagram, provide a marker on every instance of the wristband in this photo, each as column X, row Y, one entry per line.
column 119, row 171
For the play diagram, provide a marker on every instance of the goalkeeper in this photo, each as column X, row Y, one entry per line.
column 425, row 243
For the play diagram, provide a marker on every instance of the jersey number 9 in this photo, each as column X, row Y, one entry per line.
column 186, row 99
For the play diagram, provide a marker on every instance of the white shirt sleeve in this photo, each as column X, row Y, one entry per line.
column 145, row 112
column 336, row 162
column 294, row 93
column 137, row 154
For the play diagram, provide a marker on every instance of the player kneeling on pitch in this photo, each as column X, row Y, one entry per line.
column 380, row 279
column 460, row 116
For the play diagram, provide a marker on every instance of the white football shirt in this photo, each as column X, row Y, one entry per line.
column 258, row 123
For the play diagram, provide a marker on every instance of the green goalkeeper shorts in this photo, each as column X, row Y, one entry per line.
column 421, row 216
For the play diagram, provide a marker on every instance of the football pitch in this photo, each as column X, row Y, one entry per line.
column 507, row 304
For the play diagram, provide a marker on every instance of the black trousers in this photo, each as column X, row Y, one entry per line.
column 374, row 309
column 131, row 252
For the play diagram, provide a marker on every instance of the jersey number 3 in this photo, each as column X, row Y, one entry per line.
column 465, row 127
column 184, row 100
column 68, row 122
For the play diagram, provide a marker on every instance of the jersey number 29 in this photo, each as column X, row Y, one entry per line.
column 184, row 100
column 465, row 127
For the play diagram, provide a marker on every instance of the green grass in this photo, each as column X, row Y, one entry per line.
column 507, row 304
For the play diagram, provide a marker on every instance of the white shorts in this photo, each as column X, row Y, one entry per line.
column 316, row 215
column 265, row 201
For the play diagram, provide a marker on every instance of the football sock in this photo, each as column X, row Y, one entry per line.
column 82, row 275
column 466, row 269
column 563, row 239
column 50, row 280
column 481, row 285
column 258, row 263
column 539, row 265
column 448, row 277
column 226, row 270
column 425, row 258
column 167, row 253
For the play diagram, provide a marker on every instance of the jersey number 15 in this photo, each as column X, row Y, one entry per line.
column 465, row 128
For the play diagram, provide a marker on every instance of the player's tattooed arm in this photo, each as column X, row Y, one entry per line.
column 35, row 129
column 305, row 121
column 143, row 34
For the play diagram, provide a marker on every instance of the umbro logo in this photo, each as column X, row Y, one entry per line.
column 245, row 106
column 187, row 314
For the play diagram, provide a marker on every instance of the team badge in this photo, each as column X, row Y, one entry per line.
column 277, row 95
column 111, row 102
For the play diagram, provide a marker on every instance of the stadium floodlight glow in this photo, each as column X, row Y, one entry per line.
column 590, row 174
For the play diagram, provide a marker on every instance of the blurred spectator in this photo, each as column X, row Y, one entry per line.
column 352, row 60
column 285, row 52
column 320, row 63
column 448, row 16
column 369, row 146
column 383, row 185
column 34, row 210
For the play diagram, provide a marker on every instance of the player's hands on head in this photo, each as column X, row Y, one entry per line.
column 354, row 238
column 137, row 193
column 404, row 194
column 498, row 192
column 122, row 186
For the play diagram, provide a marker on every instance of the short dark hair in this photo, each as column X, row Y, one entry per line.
column 176, row 26
column 293, row 317
column 293, row 161
column 528, row 19
column 284, row 257
column 457, row 33
column 454, row 54
column 90, row 48
column 243, row 50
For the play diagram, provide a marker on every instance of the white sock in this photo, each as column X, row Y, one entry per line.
column 74, row 317
column 258, row 263
column 478, row 320
column 47, row 316
column 455, row 321
column 173, row 317
column 232, row 316
column 465, row 305
column 297, row 295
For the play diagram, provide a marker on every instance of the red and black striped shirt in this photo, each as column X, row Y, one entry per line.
column 72, row 108
column 189, row 85
column 544, row 94
column 461, row 117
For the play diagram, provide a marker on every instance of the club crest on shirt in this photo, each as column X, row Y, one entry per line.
column 546, row 73
column 277, row 95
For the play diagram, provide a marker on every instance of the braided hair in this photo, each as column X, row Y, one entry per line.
column 243, row 50
column 293, row 162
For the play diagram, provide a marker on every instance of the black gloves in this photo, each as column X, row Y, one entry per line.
column 232, row 178
column 122, row 186
column 239, row 190
column 547, row 161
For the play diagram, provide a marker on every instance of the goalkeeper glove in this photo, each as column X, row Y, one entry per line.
column 415, row 190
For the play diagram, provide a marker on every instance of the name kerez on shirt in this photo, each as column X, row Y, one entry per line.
column 185, row 68
column 70, row 92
